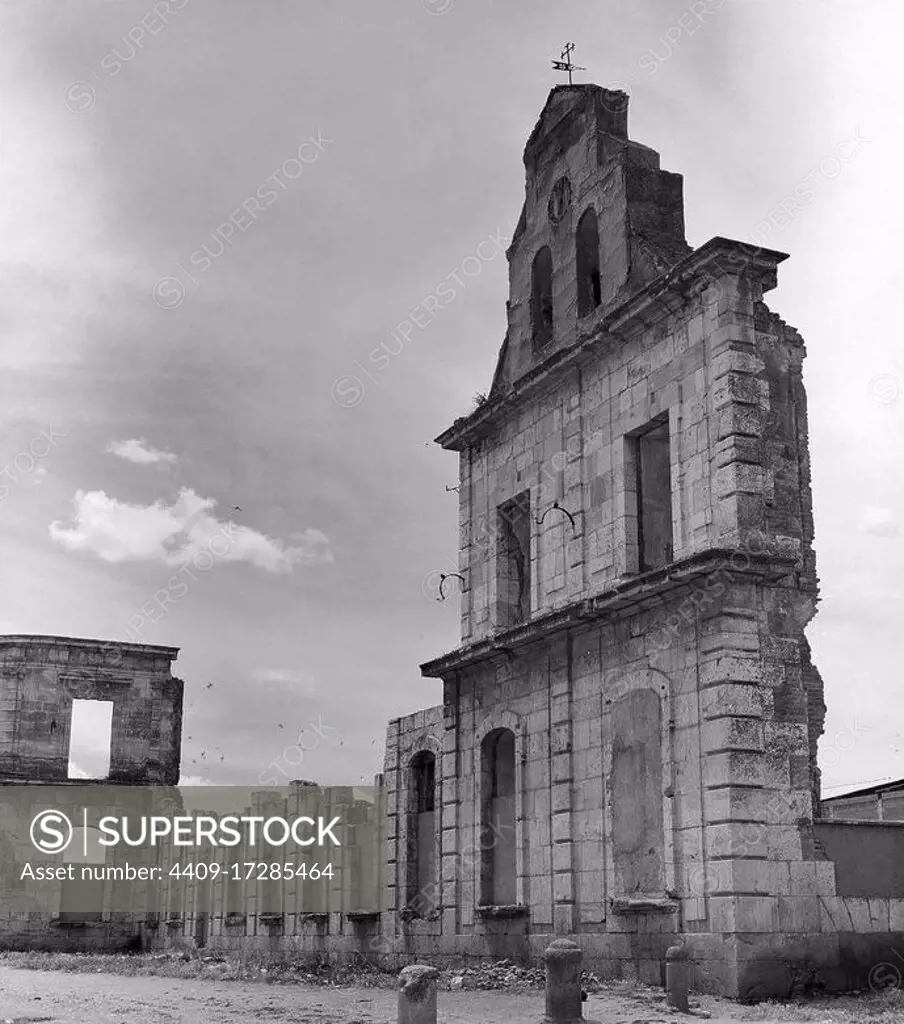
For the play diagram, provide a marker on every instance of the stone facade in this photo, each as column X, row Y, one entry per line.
column 313, row 916
column 626, row 750
column 40, row 677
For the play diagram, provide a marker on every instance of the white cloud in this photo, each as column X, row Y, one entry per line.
column 176, row 534
column 300, row 682
column 138, row 450
column 879, row 521
column 194, row 780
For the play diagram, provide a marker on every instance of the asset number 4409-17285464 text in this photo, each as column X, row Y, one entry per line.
column 259, row 870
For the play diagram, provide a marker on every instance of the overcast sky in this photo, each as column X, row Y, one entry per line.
column 159, row 369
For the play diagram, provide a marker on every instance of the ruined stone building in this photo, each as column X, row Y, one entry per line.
column 42, row 680
column 626, row 749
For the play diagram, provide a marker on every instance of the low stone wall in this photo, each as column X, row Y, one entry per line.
column 868, row 856
column 31, row 931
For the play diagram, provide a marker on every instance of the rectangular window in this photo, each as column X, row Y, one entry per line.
column 513, row 583
column 90, row 739
column 422, row 826
column 652, row 456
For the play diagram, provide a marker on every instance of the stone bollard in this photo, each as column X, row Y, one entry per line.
column 563, row 982
column 417, row 994
column 676, row 971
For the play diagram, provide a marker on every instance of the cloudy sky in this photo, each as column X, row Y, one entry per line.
column 214, row 212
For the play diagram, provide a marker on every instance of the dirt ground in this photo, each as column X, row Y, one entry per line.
column 30, row 996
column 91, row 995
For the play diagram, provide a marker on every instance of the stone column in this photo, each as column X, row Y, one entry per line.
column 563, row 982
column 417, row 994
column 676, row 971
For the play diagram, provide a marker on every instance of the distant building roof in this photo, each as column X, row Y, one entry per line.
column 842, row 792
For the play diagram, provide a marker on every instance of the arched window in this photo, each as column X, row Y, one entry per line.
column 422, row 833
column 587, row 244
column 541, row 297
column 497, row 881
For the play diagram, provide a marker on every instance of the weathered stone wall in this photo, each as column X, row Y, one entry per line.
column 665, row 722
column 737, row 468
column 724, row 817
column 335, row 912
column 40, row 676
column 118, row 933
column 579, row 158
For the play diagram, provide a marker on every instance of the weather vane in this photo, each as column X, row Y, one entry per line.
column 564, row 62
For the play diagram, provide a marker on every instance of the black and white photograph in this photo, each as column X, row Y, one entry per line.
column 451, row 511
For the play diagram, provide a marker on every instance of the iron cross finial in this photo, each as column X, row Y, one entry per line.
column 564, row 62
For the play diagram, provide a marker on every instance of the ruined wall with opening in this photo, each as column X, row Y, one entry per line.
column 41, row 679
column 41, row 676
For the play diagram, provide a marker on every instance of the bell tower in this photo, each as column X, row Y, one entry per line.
column 600, row 220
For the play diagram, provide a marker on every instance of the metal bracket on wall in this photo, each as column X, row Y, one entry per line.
column 555, row 507
column 443, row 576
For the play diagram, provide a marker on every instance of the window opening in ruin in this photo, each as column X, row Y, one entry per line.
column 652, row 455
column 587, row 251
column 90, row 739
column 422, row 834
column 513, row 576
column 424, row 768
column 498, row 885
column 541, row 297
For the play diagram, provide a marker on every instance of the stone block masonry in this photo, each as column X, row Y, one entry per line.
column 41, row 676
column 40, row 679
column 629, row 727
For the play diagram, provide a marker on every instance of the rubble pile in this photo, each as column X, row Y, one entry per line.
column 506, row 974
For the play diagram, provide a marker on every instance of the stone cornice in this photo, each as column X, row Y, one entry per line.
column 611, row 603
column 34, row 640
